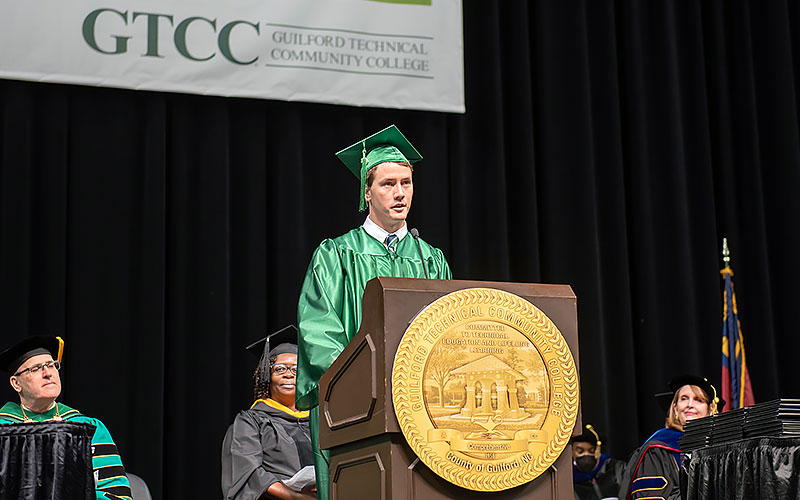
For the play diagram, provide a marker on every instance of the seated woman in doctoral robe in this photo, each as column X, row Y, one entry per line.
column 267, row 445
column 653, row 470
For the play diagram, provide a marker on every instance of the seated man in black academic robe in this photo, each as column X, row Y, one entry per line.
column 269, row 444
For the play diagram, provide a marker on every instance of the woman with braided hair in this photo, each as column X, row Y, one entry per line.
column 269, row 443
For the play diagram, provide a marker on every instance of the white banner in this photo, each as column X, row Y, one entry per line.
column 396, row 54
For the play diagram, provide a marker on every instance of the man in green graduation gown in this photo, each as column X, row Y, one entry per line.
column 34, row 364
column 329, row 309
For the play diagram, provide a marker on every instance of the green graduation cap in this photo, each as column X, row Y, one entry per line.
column 388, row 145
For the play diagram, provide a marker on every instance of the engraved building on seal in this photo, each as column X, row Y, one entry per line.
column 486, row 372
column 485, row 389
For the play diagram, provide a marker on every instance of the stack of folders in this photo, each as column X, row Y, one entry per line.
column 777, row 418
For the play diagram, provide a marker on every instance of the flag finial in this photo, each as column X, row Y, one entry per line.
column 726, row 253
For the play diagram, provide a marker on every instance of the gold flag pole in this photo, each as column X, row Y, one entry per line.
column 726, row 253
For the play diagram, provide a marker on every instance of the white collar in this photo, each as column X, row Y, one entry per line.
column 45, row 411
column 380, row 233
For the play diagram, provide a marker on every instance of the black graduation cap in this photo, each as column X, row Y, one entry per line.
column 280, row 342
column 665, row 398
column 13, row 357
column 591, row 436
column 286, row 335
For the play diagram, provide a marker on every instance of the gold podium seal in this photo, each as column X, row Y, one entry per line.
column 485, row 389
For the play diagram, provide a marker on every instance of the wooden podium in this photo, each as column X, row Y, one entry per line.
column 369, row 454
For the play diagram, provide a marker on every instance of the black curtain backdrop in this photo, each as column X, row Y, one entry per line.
column 607, row 145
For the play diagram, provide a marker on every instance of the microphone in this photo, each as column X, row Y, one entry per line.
column 415, row 234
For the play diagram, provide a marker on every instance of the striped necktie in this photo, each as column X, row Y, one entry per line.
column 391, row 242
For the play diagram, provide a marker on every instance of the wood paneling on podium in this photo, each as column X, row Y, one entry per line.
column 369, row 454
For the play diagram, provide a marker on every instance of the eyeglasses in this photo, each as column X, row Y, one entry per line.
column 280, row 369
column 35, row 368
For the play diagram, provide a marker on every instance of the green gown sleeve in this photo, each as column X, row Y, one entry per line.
column 329, row 308
column 109, row 473
column 444, row 269
column 321, row 331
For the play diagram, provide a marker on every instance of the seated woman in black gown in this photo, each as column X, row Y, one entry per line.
column 653, row 470
column 269, row 443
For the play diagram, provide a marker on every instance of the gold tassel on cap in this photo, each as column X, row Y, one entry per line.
column 60, row 348
column 599, row 443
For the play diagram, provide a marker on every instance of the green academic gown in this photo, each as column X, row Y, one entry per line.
column 109, row 474
column 329, row 309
